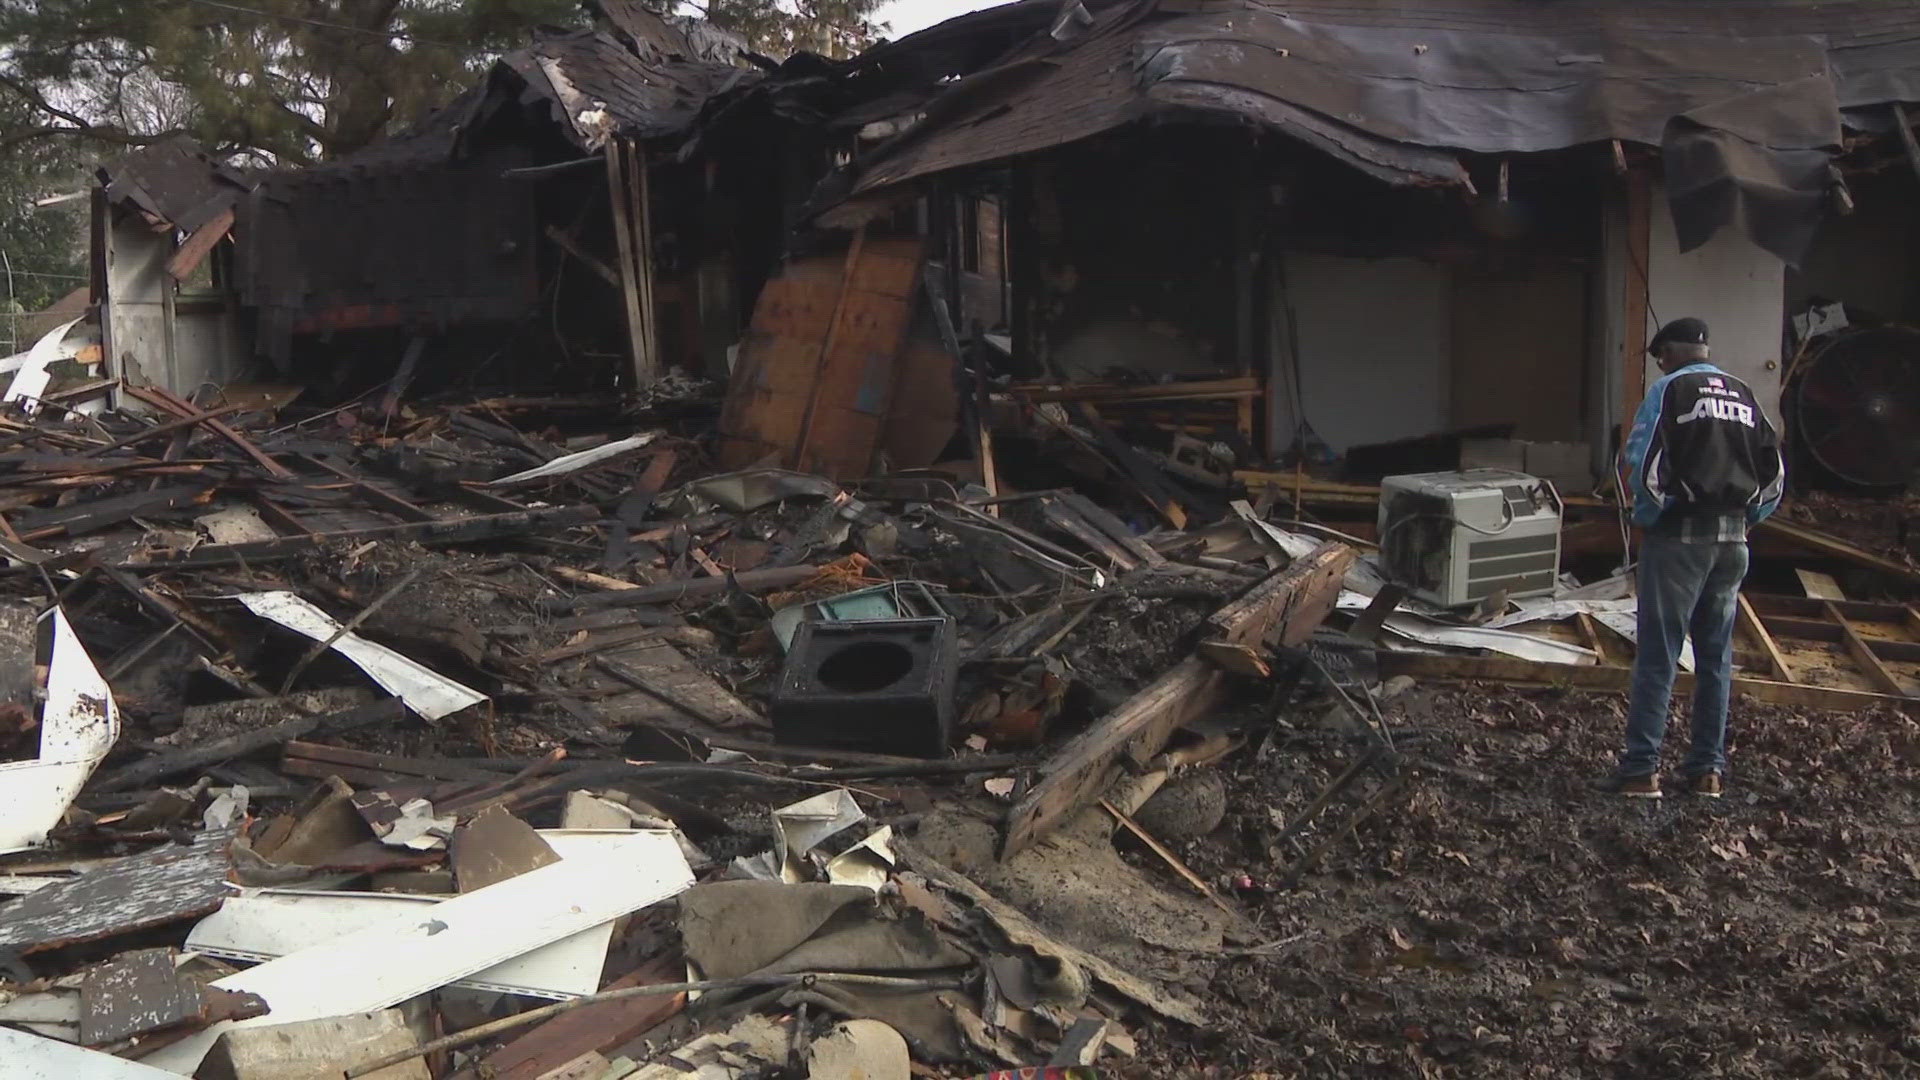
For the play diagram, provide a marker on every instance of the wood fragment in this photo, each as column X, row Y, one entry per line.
column 198, row 246
column 1285, row 608
column 601, row 1027
column 1819, row 586
column 162, row 399
column 1237, row 658
column 1167, row 856
column 565, row 242
column 1776, row 661
column 666, row 592
column 172, row 763
column 590, row 579
column 439, row 531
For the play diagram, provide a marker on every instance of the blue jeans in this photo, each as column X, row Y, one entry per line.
column 1684, row 588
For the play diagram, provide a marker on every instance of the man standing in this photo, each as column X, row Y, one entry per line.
column 1704, row 464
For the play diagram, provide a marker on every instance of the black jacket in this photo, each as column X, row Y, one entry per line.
column 1702, row 444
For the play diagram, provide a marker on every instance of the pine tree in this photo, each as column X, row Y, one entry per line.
column 290, row 81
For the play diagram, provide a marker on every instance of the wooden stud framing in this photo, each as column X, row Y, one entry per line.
column 1758, row 630
column 1863, row 655
column 1506, row 669
column 631, row 271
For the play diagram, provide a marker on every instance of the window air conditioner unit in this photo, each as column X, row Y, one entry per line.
column 1456, row 538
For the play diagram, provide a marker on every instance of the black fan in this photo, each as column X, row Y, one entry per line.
column 1857, row 407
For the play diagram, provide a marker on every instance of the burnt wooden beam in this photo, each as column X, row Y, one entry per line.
column 187, row 759
column 441, row 531
column 167, row 428
column 467, row 494
column 1292, row 602
column 1285, row 609
column 167, row 402
column 778, row 577
column 377, row 497
column 279, row 517
column 85, row 517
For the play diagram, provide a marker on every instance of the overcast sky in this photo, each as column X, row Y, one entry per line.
column 905, row 16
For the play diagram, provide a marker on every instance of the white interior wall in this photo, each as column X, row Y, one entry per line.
column 1732, row 283
column 1374, row 340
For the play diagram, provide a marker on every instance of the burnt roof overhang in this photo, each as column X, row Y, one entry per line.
column 1744, row 98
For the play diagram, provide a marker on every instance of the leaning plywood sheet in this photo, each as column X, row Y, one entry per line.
column 773, row 379
column 425, row 692
column 817, row 370
column 164, row 885
column 391, row 962
column 266, row 924
column 77, row 727
column 30, row 1057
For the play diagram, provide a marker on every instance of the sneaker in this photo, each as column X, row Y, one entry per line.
column 1646, row 786
column 1707, row 785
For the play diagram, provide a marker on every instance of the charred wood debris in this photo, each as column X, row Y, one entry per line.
column 513, row 737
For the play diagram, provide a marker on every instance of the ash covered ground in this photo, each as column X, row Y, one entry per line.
column 1511, row 923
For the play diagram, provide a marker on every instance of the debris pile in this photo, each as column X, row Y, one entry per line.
column 518, row 737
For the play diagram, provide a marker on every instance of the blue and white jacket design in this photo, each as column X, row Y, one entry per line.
column 1701, row 444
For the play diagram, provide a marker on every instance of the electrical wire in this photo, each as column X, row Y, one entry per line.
column 385, row 35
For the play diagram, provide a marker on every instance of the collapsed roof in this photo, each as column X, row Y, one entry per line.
column 1746, row 98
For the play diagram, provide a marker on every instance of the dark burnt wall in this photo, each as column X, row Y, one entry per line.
column 1124, row 252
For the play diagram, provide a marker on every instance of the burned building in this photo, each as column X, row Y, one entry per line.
column 559, row 224
column 1358, row 222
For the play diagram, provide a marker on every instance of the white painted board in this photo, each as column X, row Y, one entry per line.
column 30, row 1057
column 30, row 380
column 78, row 725
column 391, row 962
column 567, row 463
column 266, row 924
